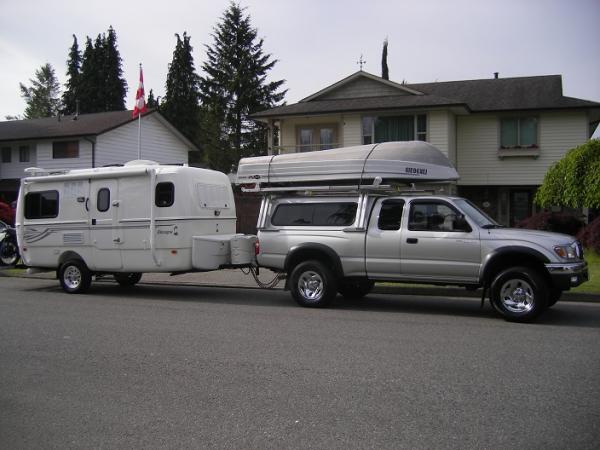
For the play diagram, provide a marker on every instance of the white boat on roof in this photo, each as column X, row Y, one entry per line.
column 406, row 162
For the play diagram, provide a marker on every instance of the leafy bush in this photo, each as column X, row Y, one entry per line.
column 590, row 235
column 573, row 181
column 556, row 222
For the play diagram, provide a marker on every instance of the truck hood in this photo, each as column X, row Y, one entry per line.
column 543, row 238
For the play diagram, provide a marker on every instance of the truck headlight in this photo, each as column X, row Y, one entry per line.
column 567, row 251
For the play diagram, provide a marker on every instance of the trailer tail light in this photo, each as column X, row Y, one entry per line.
column 256, row 248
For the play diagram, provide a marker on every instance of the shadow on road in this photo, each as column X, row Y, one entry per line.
column 562, row 314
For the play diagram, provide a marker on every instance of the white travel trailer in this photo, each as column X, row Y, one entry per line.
column 141, row 217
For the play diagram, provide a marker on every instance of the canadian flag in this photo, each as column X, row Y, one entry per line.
column 140, row 102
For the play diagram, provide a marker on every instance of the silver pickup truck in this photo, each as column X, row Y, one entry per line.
column 345, row 242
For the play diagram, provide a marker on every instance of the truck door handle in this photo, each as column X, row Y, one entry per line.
column 117, row 240
column 412, row 240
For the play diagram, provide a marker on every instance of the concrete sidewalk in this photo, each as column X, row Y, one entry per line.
column 236, row 278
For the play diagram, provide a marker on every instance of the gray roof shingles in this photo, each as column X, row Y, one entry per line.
column 52, row 127
column 496, row 94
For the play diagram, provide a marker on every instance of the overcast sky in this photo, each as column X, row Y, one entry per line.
column 317, row 42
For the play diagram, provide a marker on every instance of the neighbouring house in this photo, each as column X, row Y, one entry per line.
column 502, row 134
column 83, row 141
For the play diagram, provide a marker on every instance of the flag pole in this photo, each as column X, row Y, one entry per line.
column 139, row 136
column 140, row 129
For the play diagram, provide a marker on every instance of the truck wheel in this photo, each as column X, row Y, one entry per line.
column 128, row 279
column 355, row 289
column 519, row 294
column 75, row 277
column 313, row 284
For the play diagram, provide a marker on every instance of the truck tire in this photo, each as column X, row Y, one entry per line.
column 313, row 284
column 74, row 276
column 128, row 279
column 519, row 294
column 355, row 289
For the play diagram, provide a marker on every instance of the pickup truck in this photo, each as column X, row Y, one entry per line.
column 344, row 242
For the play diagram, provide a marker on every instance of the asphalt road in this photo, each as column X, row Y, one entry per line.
column 195, row 367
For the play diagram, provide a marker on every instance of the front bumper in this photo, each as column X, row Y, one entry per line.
column 567, row 275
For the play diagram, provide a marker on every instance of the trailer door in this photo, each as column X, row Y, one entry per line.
column 106, row 233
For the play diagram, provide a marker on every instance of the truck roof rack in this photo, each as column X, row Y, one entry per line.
column 376, row 188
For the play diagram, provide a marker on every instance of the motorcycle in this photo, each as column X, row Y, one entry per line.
column 9, row 250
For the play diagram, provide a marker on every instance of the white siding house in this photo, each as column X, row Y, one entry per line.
column 501, row 134
column 87, row 140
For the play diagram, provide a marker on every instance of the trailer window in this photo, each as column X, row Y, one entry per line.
column 165, row 195
column 103, row 200
column 41, row 205
column 315, row 214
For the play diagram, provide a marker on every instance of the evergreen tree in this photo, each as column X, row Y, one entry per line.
column 181, row 104
column 234, row 87
column 385, row 73
column 101, row 85
column 90, row 79
column 70, row 95
column 42, row 97
column 151, row 102
column 115, row 86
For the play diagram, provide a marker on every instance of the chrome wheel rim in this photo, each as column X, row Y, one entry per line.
column 517, row 296
column 310, row 285
column 72, row 277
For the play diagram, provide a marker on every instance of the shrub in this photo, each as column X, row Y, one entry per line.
column 556, row 222
column 590, row 235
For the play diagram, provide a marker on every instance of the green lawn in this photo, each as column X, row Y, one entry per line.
column 593, row 285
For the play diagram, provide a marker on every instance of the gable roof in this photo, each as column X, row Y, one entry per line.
column 402, row 89
column 76, row 126
column 496, row 94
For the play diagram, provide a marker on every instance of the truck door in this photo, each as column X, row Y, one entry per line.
column 438, row 245
column 106, row 234
column 383, row 246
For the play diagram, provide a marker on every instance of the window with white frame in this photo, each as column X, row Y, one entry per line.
column 518, row 132
column 316, row 137
column 376, row 129
column 65, row 149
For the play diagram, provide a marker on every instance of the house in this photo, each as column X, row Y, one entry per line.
column 502, row 134
column 86, row 140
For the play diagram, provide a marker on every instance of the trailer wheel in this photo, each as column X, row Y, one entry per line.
column 519, row 294
column 313, row 284
column 355, row 289
column 75, row 277
column 128, row 279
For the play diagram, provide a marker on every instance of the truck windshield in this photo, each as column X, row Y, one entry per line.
column 475, row 214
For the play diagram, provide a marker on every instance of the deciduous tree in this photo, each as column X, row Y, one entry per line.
column 42, row 97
